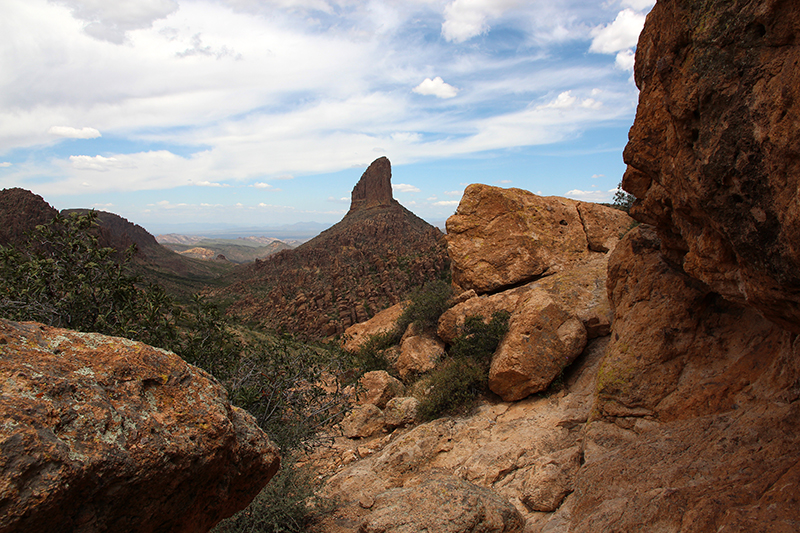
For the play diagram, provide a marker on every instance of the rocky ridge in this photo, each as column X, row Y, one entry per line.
column 363, row 264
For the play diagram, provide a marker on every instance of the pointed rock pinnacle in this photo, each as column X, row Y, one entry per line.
column 375, row 186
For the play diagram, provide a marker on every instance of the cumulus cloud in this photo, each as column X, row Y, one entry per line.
column 591, row 196
column 619, row 37
column 454, row 193
column 404, row 187
column 74, row 133
column 447, row 202
column 621, row 34
column 261, row 185
column 562, row 101
column 5, row 164
column 465, row 19
column 211, row 184
column 436, row 87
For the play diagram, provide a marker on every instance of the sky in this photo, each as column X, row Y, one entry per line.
column 254, row 113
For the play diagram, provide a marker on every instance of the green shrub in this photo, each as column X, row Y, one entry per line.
column 287, row 504
column 371, row 355
column 62, row 277
column 454, row 387
column 426, row 305
column 289, row 388
column 623, row 200
column 478, row 340
column 456, row 384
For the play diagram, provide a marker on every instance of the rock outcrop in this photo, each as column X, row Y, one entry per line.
column 367, row 262
column 712, row 156
column 374, row 189
column 550, row 322
column 105, row 434
column 500, row 238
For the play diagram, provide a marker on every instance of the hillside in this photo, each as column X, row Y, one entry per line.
column 367, row 262
column 22, row 210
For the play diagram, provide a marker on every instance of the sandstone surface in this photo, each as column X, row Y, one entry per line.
column 712, row 156
column 362, row 421
column 550, row 321
column 378, row 387
column 418, row 354
column 383, row 322
column 105, row 434
column 441, row 503
column 499, row 238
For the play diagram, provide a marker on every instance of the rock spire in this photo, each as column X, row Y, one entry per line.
column 375, row 186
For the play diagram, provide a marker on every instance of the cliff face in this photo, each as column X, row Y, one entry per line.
column 713, row 154
column 697, row 396
column 367, row 262
column 374, row 189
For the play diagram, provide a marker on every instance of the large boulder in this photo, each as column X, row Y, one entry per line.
column 499, row 238
column 543, row 339
column 712, row 156
column 105, row 434
column 550, row 321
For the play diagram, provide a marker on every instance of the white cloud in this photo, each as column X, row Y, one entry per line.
column 465, row 19
column 591, row 103
column 639, row 5
column 622, row 34
column 211, row 184
column 98, row 162
column 5, row 164
column 454, row 193
column 404, row 187
column 436, row 87
column 447, row 202
column 74, row 133
column 562, row 101
column 109, row 21
column 625, row 59
column 261, row 185
column 591, row 196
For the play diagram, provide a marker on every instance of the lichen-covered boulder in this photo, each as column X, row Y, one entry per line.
column 105, row 434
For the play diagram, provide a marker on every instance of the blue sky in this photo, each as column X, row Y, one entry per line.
column 266, row 112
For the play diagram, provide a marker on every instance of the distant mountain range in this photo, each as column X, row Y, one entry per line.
column 239, row 250
column 300, row 231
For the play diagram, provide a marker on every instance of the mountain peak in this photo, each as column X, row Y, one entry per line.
column 375, row 186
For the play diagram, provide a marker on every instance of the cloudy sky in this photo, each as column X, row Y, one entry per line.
column 266, row 112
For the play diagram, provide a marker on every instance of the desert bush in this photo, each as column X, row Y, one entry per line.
column 456, row 384
column 288, row 504
column 371, row 355
column 425, row 305
column 290, row 388
column 62, row 277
